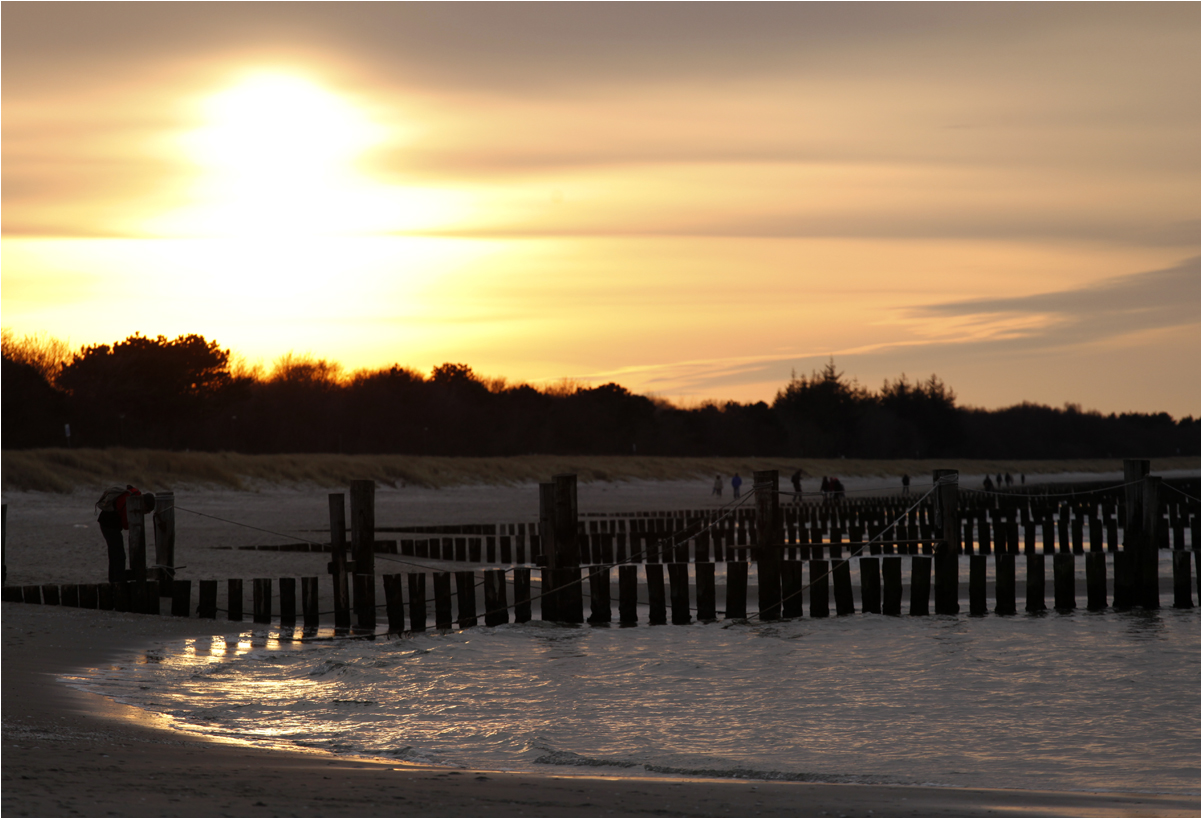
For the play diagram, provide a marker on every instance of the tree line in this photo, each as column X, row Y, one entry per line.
column 190, row 393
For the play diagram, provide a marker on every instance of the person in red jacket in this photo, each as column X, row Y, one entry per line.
column 113, row 521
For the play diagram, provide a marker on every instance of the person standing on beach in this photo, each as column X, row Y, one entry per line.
column 735, row 483
column 796, row 479
column 905, row 484
column 826, row 488
column 718, row 486
column 113, row 521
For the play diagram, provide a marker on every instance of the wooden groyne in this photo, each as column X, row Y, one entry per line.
column 772, row 556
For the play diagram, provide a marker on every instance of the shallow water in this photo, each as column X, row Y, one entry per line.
column 1091, row 701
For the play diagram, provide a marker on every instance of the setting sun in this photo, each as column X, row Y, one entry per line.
column 279, row 156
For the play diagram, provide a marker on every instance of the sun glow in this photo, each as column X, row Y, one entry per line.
column 281, row 157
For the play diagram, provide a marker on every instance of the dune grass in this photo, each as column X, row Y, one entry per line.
column 64, row 470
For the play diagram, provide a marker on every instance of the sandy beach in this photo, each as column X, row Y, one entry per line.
column 68, row 753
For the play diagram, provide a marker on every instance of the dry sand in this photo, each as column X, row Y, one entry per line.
column 68, row 753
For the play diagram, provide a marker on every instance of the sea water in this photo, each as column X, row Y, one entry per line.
column 1080, row 701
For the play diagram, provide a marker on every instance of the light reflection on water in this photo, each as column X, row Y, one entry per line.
column 1096, row 701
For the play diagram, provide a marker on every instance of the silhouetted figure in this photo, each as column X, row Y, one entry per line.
column 735, row 483
column 826, row 489
column 988, row 484
column 796, row 479
column 113, row 521
column 837, row 489
column 905, row 484
column 1009, row 480
column 718, row 486
column 999, row 480
column 1022, row 476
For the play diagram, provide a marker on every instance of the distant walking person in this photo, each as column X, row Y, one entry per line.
column 796, row 479
column 113, row 521
column 1009, row 480
column 905, row 484
column 826, row 488
column 735, row 483
column 718, row 486
column 988, row 484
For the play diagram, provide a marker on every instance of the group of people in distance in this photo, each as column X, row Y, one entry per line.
column 1006, row 480
column 832, row 488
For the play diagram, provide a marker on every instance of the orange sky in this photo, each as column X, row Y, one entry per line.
column 692, row 200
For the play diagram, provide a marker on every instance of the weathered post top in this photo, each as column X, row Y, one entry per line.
column 1134, row 471
column 767, row 515
column 567, row 546
column 947, row 522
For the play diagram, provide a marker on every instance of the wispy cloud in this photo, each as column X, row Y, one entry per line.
column 1112, row 307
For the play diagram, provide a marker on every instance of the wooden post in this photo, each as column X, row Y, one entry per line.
column 1148, row 573
column 150, row 597
column 1095, row 580
column 1064, row 581
column 338, row 566
column 287, row 601
column 442, row 601
column 549, row 595
column 363, row 550
column 947, row 523
column 600, row 610
column 181, row 598
column 767, row 551
column 50, row 594
column 261, row 599
column 844, row 601
column 656, row 600
column 137, row 537
column 707, row 598
column 567, row 545
column 891, row 571
column 496, row 607
column 105, row 594
column 70, row 595
column 920, row 586
column 4, row 543
column 417, row 601
column 870, row 585
column 465, row 589
column 1036, row 584
column 820, row 593
column 310, row 608
column 628, row 579
column 977, row 567
column 33, row 594
column 736, row 590
column 678, row 579
column 521, row 595
column 1004, row 584
column 394, row 603
column 207, row 609
column 792, row 602
column 1124, row 580
column 1182, row 593
column 1134, row 471
column 233, row 600
column 164, row 539
column 89, row 596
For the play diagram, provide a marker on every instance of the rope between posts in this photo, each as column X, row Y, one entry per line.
column 943, row 480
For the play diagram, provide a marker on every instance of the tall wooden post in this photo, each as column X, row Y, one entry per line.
column 947, row 523
column 164, row 539
column 1134, row 471
column 363, row 550
column 767, row 552
column 338, row 564
column 137, row 537
column 1148, row 588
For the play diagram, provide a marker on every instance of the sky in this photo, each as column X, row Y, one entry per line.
column 693, row 200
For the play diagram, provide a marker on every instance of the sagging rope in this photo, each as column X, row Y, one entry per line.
column 943, row 481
